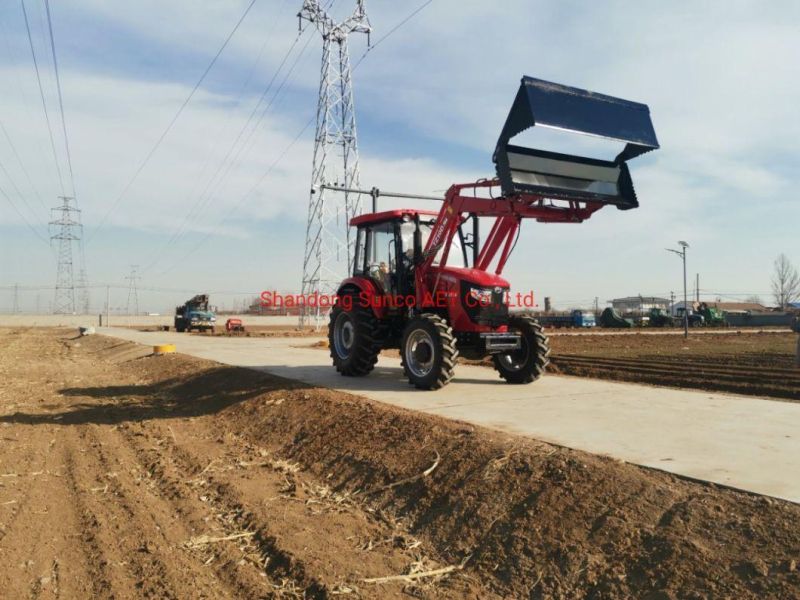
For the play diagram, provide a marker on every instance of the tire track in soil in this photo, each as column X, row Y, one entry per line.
column 161, row 567
column 7, row 526
column 96, row 548
column 42, row 539
column 276, row 568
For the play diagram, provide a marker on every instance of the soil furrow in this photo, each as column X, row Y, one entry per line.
column 203, row 514
column 127, row 487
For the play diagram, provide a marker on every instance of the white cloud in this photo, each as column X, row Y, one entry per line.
column 720, row 80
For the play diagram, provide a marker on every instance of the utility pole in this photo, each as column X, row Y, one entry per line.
column 67, row 226
column 329, row 248
column 697, row 286
column 108, row 305
column 682, row 254
column 133, row 293
column 15, row 304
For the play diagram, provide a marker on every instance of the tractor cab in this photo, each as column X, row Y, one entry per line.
column 389, row 244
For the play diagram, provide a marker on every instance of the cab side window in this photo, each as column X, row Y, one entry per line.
column 381, row 256
column 361, row 249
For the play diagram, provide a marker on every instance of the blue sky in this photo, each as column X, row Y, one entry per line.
column 721, row 78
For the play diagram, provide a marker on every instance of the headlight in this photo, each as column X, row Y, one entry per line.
column 482, row 296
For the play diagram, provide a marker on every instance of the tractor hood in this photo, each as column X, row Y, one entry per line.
column 554, row 175
column 475, row 277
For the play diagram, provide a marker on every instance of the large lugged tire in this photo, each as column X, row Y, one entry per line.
column 353, row 338
column 529, row 362
column 428, row 352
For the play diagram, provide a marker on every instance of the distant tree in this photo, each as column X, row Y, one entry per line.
column 754, row 300
column 785, row 282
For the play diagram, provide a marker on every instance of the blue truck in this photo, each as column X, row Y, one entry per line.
column 576, row 318
column 195, row 314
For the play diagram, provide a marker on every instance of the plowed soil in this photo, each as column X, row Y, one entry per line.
column 126, row 475
column 760, row 364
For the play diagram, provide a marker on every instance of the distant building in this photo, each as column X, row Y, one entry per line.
column 639, row 304
column 726, row 307
column 738, row 306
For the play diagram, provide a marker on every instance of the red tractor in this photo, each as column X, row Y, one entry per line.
column 424, row 282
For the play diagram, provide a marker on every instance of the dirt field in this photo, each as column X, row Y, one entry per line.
column 124, row 475
column 745, row 363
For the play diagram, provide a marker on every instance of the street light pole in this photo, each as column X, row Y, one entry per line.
column 685, row 298
column 682, row 254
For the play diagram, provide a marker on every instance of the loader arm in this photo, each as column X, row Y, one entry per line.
column 550, row 187
column 462, row 201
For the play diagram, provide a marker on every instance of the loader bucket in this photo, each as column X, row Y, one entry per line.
column 570, row 177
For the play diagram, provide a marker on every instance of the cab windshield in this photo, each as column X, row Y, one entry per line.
column 456, row 257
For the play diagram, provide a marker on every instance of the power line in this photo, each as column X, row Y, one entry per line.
column 60, row 98
column 22, row 216
column 17, row 190
column 41, row 93
column 22, row 166
column 391, row 31
column 244, row 197
column 205, row 197
column 246, row 146
column 163, row 135
column 275, row 163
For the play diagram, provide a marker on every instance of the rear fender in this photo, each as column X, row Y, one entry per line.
column 367, row 294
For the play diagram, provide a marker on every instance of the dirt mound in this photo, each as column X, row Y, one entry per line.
column 536, row 520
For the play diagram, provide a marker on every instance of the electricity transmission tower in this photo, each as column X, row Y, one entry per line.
column 329, row 249
column 67, row 226
column 83, row 281
column 133, row 293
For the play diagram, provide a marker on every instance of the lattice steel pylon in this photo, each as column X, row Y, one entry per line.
column 67, row 229
column 82, row 284
column 329, row 247
column 133, row 293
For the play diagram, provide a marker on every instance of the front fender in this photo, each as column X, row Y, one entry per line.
column 366, row 292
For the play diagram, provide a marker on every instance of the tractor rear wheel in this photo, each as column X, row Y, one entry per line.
column 428, row 352
column 527, row 363
column 353, row 337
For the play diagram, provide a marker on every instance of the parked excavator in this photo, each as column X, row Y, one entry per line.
column 426, row 283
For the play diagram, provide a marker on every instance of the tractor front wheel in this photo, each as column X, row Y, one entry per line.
column 528, row 362
column 353, row 337
column 428, row 352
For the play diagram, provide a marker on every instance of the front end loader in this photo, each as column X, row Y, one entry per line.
column 429, row 284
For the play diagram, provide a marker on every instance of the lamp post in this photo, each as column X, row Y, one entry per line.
column 682, row 254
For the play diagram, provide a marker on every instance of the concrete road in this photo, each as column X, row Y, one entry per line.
column 743, row 442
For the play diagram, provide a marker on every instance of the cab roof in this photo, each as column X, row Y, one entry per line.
column 390, row 215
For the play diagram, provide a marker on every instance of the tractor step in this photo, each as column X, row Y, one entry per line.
column 501, row 342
